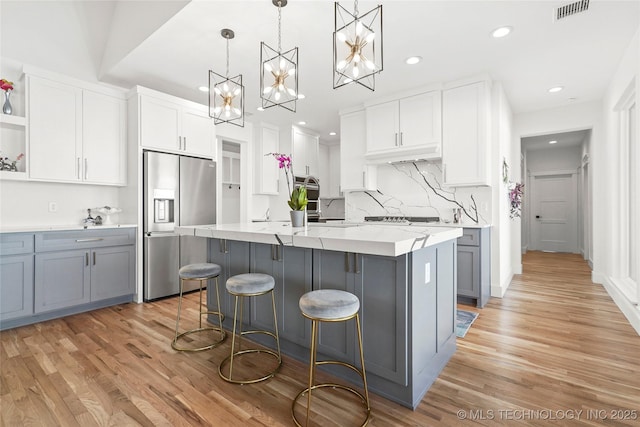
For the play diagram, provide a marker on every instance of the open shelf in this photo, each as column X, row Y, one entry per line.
column 13, row 176
column 18, row 121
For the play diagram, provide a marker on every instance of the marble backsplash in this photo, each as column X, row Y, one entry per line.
column 415, row 189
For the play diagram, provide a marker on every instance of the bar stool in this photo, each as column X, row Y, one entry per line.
column 331, row 305
column 250, row 285
column 201, row 272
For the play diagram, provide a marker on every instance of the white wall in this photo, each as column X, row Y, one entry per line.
column 325, row 174
column 554, row 159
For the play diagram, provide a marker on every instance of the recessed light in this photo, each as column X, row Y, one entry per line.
column 203, row 89
column 301, row 96
column 260, row 109
column 332, row 134
column 553, row 142
column 556, row 89
column 501, row 32
column 412, row 60
column 302, row 123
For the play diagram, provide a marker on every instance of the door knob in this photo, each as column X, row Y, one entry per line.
column 537, row 216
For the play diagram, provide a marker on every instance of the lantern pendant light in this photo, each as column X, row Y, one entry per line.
column 278, row 71
column 357, row 46
column 226, row 94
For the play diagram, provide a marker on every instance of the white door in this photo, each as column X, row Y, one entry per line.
column 554, row 213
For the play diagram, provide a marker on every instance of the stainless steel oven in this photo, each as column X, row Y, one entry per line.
column 313, row 195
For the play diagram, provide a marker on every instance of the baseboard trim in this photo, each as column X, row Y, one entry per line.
column 630, row 310
column 500, row 290
column 597, row 277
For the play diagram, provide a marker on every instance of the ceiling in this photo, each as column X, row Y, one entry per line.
column 563, row 140
column 170, row 45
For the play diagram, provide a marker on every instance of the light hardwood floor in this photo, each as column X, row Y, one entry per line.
column 553, row 346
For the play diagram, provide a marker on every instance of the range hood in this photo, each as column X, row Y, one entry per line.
column 406, row 154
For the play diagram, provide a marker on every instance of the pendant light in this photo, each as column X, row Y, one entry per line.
column 226, row 94
column 357, row 46
column 278, row 71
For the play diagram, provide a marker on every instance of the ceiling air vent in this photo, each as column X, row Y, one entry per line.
column 570, row 9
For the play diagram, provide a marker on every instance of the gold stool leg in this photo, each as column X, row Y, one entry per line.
column 233, row 336
column 312, row 365
column 275, row 324
column 175, row 338
column 364, row 373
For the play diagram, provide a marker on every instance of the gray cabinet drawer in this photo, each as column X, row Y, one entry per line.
column 470, row 237
column 82, row 239
column 16, row 243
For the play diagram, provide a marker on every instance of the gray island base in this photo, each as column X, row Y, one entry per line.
column 408, row 300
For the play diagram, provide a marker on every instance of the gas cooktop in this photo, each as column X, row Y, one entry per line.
column 395, row 219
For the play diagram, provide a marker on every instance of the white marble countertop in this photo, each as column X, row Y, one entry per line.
column 69, row 227
column 386, row 240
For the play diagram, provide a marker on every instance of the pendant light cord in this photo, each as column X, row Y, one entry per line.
column 279, row 27
column 227, row 57
column 355, row 8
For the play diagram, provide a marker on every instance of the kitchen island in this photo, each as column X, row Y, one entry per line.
column 404, row 276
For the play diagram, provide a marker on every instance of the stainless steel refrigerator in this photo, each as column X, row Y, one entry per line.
column 178, row 190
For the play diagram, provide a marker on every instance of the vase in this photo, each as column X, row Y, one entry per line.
column 6, row 108
column 297, row 218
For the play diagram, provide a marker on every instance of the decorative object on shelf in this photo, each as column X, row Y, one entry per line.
column 298, row 197
column 226, row 94
column 7, row 87
column 10, row 165
column 107, row 211
column 505, row 171
column 278, row 71
column 357, row 46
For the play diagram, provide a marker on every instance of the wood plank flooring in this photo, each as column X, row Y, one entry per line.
column 555, row 345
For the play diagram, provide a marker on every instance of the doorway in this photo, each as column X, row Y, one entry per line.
column 231, row 168
column 554, row 213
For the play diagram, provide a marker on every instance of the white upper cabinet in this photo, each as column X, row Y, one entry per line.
column 266, row 140
column 355, row 174
column 75, row 134
column 305, row 152
column 178, row 126
column 405, row 129
column 466, row 151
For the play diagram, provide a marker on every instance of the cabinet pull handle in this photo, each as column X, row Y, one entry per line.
column 184, row 138
column 273, row 256
column 86, row 258
column 86, row 169
column 444, row 172
column 78, row 167
column 363, row 179
column 94, row 239
column 396, row 134
column 94, row 258
column 347, row 262
column 279, row 253
column 226, row 246
column 400, row 138
column 179, row 143
column 355, row 258
column 220, row 245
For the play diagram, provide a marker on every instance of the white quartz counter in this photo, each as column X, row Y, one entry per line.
column 37, row 228
column 386, row 240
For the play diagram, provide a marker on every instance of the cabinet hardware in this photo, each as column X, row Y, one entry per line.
column 400, row 138
column 94, row 258
column 86, row 168
column 86, row 258
column 221, row 245
column 184, row 139
column 347, row 262
column 396, row 134
column 94, row 239
column 179, row 143
column 279, row 253
column 363, row 179
column 273, row 256
column 355, row 257
column 226, row 246
column 78, row 167
column 444, row 172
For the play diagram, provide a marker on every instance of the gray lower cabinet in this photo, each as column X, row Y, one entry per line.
column 64, row 272
column 291, row 269
column 474, row 265
column 16, row 275
column 16, row 286
column 233, row 257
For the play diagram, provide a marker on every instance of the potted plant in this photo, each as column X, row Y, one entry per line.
column 298, row 197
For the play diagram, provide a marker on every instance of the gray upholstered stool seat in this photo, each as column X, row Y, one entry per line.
column 329, row 304
column 199, row 271
column 250, row 284
column 202, row 273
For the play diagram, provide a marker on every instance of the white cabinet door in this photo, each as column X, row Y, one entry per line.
column 355, row 175
column 306, row 148
column 55, row 130
column 198, row 133
column 421, row 120
column 267, row 141
column 465, row 150
column 103, row 139
column 160, row 124
column 383, row 127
